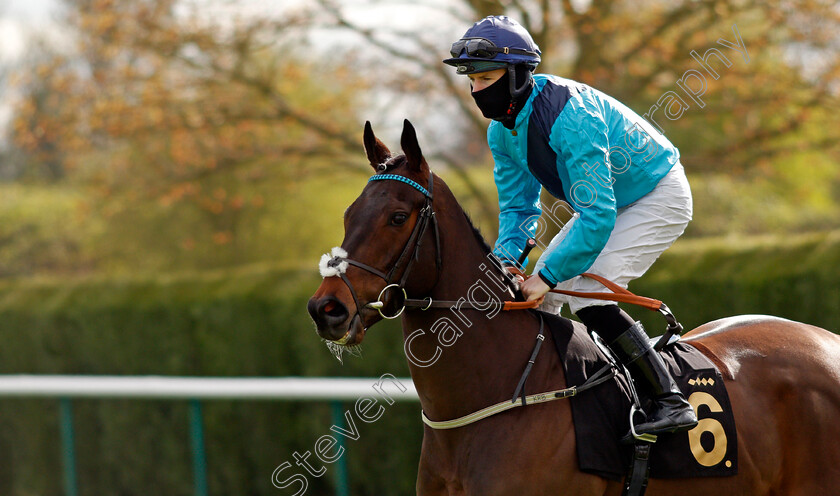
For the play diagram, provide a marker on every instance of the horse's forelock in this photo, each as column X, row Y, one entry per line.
column 394, row 163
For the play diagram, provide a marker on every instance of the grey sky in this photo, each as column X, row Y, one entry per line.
column 22, row 20
column 18, row 20
column 17, row 17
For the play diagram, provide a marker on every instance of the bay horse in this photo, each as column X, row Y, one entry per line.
column 408, row 232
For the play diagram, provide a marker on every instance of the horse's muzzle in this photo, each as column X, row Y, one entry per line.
column 330, row 316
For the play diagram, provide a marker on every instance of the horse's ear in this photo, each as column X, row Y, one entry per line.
column 411, row 148
column 377, row 153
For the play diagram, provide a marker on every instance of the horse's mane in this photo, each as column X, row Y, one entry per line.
column 477, row 233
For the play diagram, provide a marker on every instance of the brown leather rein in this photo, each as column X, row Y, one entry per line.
column 618, row 294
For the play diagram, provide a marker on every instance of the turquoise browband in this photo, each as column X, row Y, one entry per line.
column 402, row 179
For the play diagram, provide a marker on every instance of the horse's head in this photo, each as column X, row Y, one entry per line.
column 389, row 235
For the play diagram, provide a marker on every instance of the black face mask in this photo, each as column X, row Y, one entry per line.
column 494, row 100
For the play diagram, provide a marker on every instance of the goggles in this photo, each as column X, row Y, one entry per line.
column 482, row 48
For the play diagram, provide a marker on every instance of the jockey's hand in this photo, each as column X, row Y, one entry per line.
column 534, row 289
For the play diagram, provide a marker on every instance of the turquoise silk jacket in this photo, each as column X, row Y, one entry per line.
column 583, row 147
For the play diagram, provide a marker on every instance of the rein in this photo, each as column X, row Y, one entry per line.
column 618, row 294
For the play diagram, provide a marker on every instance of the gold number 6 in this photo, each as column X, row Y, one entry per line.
column 718, row 452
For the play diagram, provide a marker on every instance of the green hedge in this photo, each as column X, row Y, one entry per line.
column 796, row 277
column 244, row 323
column 253, row 322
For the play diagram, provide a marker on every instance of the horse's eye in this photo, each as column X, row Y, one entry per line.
column 398, row 219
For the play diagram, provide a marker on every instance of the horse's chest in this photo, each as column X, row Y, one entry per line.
column 501, row 458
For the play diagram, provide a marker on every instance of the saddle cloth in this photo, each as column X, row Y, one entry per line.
column 602, row 415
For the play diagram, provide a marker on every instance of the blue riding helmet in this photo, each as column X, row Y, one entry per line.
column 492, row 43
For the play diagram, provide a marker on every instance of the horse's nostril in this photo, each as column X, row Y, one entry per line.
column 335, row 309
column 327, row 311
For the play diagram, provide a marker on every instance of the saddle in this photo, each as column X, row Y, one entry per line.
column 602, row 416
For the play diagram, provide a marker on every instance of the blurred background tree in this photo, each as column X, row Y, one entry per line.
column 763, row 149
column 182, row 129
column 174, row 134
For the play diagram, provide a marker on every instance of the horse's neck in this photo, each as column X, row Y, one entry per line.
column 465, row 359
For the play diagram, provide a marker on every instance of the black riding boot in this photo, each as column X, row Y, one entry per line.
column 671, row 411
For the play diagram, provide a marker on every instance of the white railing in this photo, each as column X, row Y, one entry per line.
column 194, row 389
column 209, row 388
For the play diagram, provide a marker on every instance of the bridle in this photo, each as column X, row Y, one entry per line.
column 339, row 262
column 409, row 255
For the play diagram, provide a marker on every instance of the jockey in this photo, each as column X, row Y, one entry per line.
column 623, row 178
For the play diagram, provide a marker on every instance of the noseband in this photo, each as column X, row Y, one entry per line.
column 410, row 253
